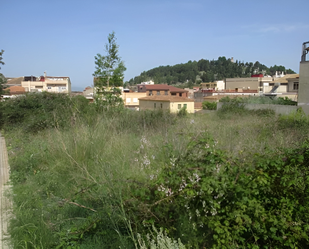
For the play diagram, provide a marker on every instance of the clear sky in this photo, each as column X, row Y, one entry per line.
column 62, row 37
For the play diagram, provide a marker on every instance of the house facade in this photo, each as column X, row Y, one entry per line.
column 54, row 84
column 278, row 85
column 287, row 83
column 164, row 102
column 250, row 83
column 88, row 93
column 131, row 99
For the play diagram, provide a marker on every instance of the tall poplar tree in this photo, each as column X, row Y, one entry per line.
column 109, row 67
column 109, row 72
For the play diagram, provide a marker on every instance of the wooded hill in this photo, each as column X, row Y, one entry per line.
column 195, row 72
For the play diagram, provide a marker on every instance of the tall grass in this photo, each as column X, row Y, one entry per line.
column 72, row 184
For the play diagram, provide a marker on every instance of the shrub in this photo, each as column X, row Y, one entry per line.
column 264, row 112
column 285, row 101
column 211, row 201
column 159, row 240
column 182, row 112
column 232, row 106
column 296, row 119
column 38, row 111
column 209, row 105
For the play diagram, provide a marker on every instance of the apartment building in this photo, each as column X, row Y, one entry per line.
column 54, row 84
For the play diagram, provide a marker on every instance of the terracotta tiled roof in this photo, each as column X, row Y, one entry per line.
column 166, row 98
column 163, row 87
column 16, row 90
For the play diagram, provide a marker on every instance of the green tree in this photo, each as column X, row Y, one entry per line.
column 2, row 78
column 109, row 68
column 109, row 72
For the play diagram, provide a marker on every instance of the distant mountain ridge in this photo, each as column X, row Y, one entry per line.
column 195, row 72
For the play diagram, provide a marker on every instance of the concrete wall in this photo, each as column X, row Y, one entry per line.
column 232, row 83
column 303, row 91
column 279, row 109
column 131, row 99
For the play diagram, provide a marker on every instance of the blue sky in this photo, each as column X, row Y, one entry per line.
column 62, row 37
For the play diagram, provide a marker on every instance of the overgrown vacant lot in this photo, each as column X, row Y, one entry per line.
column 217, row 180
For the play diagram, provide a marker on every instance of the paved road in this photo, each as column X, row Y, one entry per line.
column 4, row 202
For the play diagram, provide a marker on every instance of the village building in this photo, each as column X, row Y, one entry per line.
column 164, row 102
column 46, row 83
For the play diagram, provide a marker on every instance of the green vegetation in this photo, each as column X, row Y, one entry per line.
column 106, row 178
column 195, row 72
column 2, row 78
column 35, row 112
column 261, row 100
column 237, row 105
column 109, row 75
column 209, row 105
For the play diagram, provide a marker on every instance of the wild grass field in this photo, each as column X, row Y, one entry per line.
column 84, row 178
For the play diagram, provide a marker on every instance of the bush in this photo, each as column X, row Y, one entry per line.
column 38, row 111
column 209, row 105
column 182, row 112
column 296, row 119
column 264, row 112
column 159, row 240
column 285, row 101
column 232, row 106
column 116, row 174
column 211, row 201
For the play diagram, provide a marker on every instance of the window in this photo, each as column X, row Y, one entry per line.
column 295, row 86
column 150, row 92
column 155, row 105
column 165, row 92
column 185, row 106
column 128, row 100
column 49, row 87
column 158, row 93
column 161, row 105
column 179, row 106
column 180, row 94
column 134, row 100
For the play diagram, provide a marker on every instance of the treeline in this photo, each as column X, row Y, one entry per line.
column 195, row 72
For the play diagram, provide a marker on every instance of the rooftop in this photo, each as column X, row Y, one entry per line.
column 166, row 98
column 285, row 78
column 14, row 81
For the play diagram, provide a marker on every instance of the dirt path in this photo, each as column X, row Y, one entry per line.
column 4, row 202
